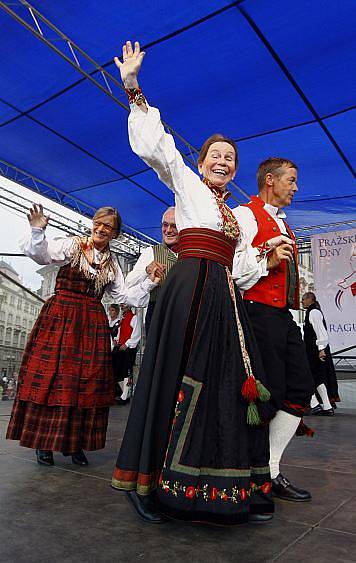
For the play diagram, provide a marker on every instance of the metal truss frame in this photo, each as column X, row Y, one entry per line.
column 128, row 245
column 63, row 46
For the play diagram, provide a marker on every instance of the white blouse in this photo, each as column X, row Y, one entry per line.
column 138, row 274
column 195, row 204
column 59, row 251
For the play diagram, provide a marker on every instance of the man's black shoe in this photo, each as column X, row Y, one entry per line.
column 144, row 508
column 327, row 412
column 44, row 457
column 283, row 489
column 316, row 410
column 259, row 518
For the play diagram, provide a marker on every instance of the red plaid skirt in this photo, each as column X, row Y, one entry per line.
column 56, row 428
column 67, row 361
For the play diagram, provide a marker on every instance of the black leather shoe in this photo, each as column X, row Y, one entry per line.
column 144, row 508
column 327, row 412
column 259, row 518
column 79, row 458
column 282, row 488
column 45, row 457
column 316, row 410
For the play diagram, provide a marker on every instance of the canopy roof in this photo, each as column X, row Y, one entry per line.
column 278, row 77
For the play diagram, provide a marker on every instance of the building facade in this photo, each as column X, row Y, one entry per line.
column 19, row 308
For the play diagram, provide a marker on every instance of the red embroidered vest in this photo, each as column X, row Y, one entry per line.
column 271, row 289
column 125, row 328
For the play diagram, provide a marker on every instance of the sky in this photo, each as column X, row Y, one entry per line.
column 14, row 227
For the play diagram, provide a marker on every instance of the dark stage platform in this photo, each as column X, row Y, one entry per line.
column 67, row 514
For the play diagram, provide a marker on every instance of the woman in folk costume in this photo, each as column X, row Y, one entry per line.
column 193, row 434
column 65, row 384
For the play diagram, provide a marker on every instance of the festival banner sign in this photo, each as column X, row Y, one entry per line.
column 334, row 266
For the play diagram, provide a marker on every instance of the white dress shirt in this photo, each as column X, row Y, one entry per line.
column 247, row 270
column 138, row 274
column 59, row 251
column 316, row 320
column 195, row 204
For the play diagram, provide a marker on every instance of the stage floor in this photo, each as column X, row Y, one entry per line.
column 66, row 514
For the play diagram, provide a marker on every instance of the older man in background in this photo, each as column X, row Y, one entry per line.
column 160, row 257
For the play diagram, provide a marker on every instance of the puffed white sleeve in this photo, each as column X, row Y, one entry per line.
column 149, row 141
column 43, row 251
column 136, row 296
column 138, row 274
column 316, row 320
column 136, row 333
column 247, row 269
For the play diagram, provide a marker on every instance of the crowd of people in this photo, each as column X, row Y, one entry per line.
column 225, row 378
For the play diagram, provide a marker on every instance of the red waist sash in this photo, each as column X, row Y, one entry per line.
column 206, row 243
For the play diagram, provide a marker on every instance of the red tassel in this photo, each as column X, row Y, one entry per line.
column 249, row 389
column 304, row 430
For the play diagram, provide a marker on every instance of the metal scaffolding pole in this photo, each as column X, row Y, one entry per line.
column 127, row 245
column 63, row 46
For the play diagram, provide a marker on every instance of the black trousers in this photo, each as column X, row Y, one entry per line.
column 283, row 355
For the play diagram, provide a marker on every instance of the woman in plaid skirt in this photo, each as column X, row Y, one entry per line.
column 65, row 384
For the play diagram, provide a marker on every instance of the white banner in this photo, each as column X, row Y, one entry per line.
column 334, row 265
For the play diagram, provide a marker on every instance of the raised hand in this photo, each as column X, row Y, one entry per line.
column 130, row 67
column 37, row 218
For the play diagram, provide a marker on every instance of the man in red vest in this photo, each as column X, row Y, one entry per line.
column 126, row 342
column 266, row 269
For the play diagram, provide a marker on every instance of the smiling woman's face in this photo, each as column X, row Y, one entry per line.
column 103, row 230
column 219, row 164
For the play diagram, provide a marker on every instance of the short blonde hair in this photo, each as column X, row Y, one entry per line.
column 110, row 211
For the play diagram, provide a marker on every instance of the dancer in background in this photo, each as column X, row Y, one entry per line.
column 65, row 384
column 271, row 288
column 319, row 356
column 126, row 342
column 193, row 433
column 114, row 323
column 162, row 256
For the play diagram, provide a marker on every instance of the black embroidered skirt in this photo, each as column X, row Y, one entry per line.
column 187, row 435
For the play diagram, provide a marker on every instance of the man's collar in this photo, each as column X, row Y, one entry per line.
column 276, row 211
column 280, row 213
